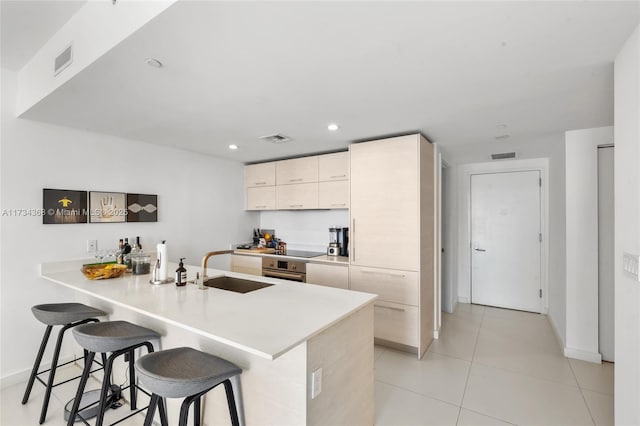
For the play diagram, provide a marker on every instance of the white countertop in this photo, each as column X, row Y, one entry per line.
column 335, row 260
column 266, row 322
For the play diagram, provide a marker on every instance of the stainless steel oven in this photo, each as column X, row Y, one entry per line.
column 292, row 270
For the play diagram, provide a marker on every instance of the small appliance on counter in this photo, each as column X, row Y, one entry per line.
column 338, row 242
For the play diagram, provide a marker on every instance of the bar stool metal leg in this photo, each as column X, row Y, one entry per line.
column 36, row 364
column 133, row 390
column 80, row 391
column 151, row 410
column 233, row 412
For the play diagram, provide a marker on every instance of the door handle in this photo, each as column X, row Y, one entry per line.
column 479, row 249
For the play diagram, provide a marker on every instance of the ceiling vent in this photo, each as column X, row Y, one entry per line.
column 503, row 156
column 277, row 138
column 63, row 60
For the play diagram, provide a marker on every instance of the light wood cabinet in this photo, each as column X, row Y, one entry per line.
column 328, row 275
column 263, row 174
column 333, row 194
column 261, row 198
column 333, row 166
column 297, row 197
column 297, row 170
column 392, row 215
column 246, row 264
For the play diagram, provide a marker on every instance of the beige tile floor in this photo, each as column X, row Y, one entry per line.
column 492, row 367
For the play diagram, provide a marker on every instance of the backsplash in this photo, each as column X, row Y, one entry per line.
column 304, row 229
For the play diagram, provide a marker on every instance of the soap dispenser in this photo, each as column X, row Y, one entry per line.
column 181, row 274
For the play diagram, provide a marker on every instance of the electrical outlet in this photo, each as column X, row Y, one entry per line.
column 92, row 246
column 316, row 383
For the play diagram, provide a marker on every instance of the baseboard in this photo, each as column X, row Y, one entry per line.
column 554, row 327
column 463, row 300
column 436, row 334
column 23, row 375
column 594, row 357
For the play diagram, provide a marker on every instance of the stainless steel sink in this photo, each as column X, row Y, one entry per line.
column 235, row 284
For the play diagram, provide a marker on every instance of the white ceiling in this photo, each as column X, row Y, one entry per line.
column 25, row 25
column 235, row 71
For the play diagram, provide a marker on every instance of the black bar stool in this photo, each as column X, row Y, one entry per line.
column 187, row 373
column 118, row 338
column 68, row 315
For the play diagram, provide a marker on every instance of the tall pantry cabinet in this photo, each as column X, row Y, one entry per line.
column 392, row 217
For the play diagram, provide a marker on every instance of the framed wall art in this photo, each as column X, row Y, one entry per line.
column 142, row 208
column 64, row 206
column 107, row 207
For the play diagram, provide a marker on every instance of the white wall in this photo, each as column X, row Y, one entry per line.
column 200, row 202
column 581, row 153
column 304, row 229
column 546, row 146
column 627, row 231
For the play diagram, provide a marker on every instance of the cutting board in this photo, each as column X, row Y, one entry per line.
column 257, row 250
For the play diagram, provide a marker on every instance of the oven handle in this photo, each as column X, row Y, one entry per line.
column 286, row 276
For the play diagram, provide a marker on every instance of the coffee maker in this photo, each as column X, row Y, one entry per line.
column 338, row 242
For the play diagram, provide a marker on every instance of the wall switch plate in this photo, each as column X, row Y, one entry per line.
column 92, row 246
column 316, row 383
column 631, row 264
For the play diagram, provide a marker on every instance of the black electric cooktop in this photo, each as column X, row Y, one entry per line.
column 305, row 254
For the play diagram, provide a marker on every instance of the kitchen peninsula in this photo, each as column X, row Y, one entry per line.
column 278, row 335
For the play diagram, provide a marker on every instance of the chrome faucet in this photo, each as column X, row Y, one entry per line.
column 206, row 257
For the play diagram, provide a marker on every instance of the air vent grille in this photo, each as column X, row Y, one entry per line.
column 277, row 138
column 503, row 156
column 63, row 60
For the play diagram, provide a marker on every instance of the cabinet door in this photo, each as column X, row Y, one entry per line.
column 297, row 170
column 333, row 166
column 384, row 205
column 389, row 284
column 261, row 198
column 263, row 174
column 333, row 195
column 297, row 197
column 396, row 323
column 246, row 264
column 328, row 275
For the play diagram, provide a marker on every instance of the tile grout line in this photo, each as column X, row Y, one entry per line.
column 417, row 393
column 473, row 355
column 581, row 393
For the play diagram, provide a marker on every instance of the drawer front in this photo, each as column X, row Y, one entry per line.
column 333, row 195
column 297, row 170
column 263, row 174
column 328, row 275
column 396, row 323
column 295, row 197
column 391, row 285
column 246, row 264
column 261, row 198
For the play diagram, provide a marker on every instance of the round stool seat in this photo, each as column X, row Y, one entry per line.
column 64, row 313
column 182, row 372
column 112, row 336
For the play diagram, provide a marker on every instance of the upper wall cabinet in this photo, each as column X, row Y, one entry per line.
column 263, row 174
column 297, row 170
column 333, row 166
column 316, row 182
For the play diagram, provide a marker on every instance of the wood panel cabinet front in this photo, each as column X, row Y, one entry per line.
column 263, row 174
column 384, row 205
column 297, row 197
column 391, row 285
column 333, row 195
column 261, row 198
column 328, row 275
column 246, row 264
column 297, row 170
column 333, row 166
column 396, row 323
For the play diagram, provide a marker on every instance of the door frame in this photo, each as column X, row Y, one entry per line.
column 464, row 221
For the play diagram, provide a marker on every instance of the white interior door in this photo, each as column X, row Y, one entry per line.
column 506, row 240
column 605, row 254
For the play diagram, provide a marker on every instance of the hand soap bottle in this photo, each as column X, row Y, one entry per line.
column 181, row 274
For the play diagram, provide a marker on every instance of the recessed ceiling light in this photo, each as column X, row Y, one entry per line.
column 152, row 62
column 233, row 146
column 502, row 136
column 333, row 127
column 501, row 126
